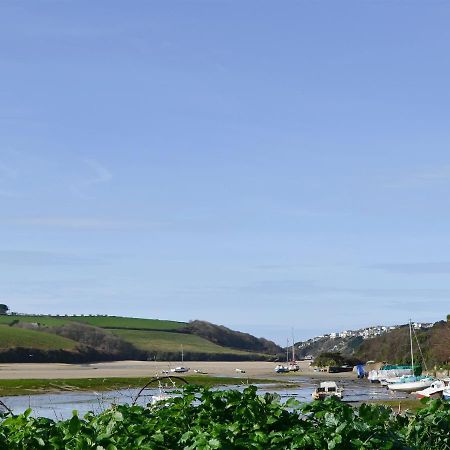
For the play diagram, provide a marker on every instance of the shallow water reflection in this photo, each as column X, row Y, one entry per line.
column 60, row 406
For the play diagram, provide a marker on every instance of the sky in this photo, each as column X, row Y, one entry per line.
column 266, row 166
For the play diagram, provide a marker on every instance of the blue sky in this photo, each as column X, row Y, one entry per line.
column 257, row 165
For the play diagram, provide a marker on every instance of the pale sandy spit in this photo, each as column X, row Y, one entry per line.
column 253, row 369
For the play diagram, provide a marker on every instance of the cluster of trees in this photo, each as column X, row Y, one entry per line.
column 3, row 309
column 229, row 338
column 94, row 337
column 335, row 359
column 395, row 346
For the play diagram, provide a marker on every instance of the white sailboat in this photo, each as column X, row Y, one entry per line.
column 293, row 366
column 279, row 368
column 180, row 369
column 410, row 383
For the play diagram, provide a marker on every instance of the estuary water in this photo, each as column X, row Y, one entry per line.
column 60, row 406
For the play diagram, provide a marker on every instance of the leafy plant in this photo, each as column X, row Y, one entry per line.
column 230, row 420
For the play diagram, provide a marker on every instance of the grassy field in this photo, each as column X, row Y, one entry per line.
column 159, row 338
column 38, row 386
column 98, row 321
column 170, row 342
column 18, row 337
column 129, row 322
column 49, row 321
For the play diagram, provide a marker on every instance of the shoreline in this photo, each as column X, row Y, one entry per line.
column 133, row 369
column 39, row 378
column 29, row 387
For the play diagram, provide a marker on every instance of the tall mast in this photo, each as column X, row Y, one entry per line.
column 410, row 340
column 182, row 354
column 287, row 350
column 293, row 347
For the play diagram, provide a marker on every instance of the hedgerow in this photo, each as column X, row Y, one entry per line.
column 200, row 418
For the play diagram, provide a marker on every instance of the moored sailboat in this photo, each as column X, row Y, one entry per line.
column 410, row 383
column 180, row 369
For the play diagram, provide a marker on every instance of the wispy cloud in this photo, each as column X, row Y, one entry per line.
column 8, row 194
column 47, row 258
column 7, row 175
column 426, row 177
column 414, row 268
column 77, row 223
column 7, row 172
column 98, row 174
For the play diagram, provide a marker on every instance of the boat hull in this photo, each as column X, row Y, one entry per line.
column 434, row 391
column 412, row 386
column 324, row 395
column 446, row 394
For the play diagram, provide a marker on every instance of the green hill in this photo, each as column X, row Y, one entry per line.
column 11, row 337
column 160, row 341
column 97, row 321
column 38, row 319
column 84, row 338
column 221, row 335
column 394, row 347
column 129, row 323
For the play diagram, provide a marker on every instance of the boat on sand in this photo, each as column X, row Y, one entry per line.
column 410, row 383
column 435, row 390
column 180, row 369
column 327, row 389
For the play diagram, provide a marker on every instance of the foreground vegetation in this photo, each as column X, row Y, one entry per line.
column 401, row 404
column 204, row 419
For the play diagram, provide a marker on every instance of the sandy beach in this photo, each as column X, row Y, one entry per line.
column 253, row 369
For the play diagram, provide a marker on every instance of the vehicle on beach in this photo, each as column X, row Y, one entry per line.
column 327, row 389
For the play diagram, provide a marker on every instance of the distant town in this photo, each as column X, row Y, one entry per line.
column 365, row 333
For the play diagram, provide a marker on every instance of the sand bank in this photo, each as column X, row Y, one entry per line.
column 253, row 369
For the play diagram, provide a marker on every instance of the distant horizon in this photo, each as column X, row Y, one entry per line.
column 259, row 166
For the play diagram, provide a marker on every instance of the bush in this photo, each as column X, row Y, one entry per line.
column 232, row 420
